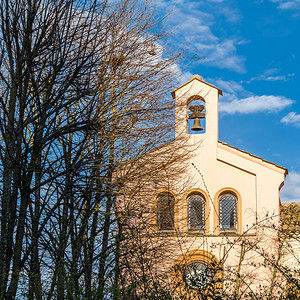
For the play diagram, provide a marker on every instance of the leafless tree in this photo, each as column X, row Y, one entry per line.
column 82, row 94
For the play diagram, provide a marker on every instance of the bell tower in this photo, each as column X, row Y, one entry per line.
column 197, row 101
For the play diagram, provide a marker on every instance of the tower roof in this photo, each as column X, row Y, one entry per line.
column 199, row 78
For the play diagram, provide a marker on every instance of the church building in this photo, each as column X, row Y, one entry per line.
column 217, row 221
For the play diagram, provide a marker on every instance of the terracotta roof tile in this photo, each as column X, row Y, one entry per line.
column 290, row 218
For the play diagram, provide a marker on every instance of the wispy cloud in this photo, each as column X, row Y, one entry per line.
column 291, row 119
column 271, row 75
column 223, row 55
column 290, row 192
column 196, row 24
column 287, row 4
column 255, row 104
column 271, row 71
column 264, row 77
column 231, row 89
column 184, row 77
column 232, row 15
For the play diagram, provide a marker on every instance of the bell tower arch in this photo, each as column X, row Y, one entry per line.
column 196, row 104
column 196, row 115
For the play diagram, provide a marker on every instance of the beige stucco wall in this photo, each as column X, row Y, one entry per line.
column 211, row 168
column 218, row 167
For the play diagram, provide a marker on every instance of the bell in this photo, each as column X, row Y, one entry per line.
column 197, row 125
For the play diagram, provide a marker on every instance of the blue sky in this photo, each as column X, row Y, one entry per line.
column 251, row 50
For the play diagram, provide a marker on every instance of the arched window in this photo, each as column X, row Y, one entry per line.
column 228, row 211
column 196, row 212
column 165, row 212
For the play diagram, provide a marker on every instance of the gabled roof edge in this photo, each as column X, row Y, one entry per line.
column 199, row 78
column 255, row 156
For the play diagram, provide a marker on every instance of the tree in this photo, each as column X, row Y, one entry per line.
column 82, row 92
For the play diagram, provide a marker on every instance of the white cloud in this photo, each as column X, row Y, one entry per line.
column 271, row 71
column 271, row 75
column 237, row 100
column 291, row 118
column 195, row 29
column 232, row 15
column 195, row 22
column 255, row 104
column 287, row 4
column 271, row 78
column 231, row 89
column 224, row 56
column 184, row 77
column 290, row 192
